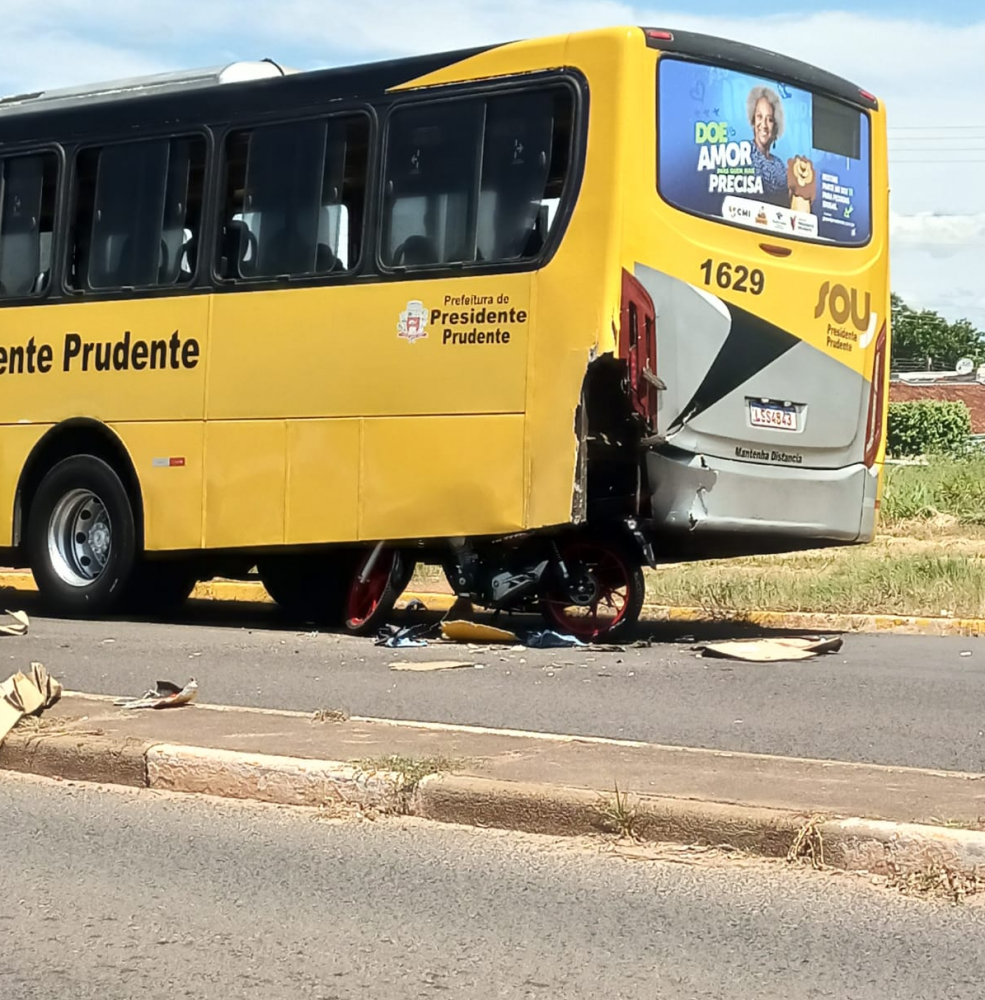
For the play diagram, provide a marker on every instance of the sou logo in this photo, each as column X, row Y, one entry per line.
column 842, row 304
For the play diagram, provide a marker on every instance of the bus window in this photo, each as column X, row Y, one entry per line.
column 775, row 157
column 27, row 212
column 137, row 216
column 295, row 196
column 473, row 180
column 524, row 164
column 432, row 153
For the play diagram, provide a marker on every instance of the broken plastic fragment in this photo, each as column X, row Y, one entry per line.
column 463, row 631
column 165, row 695
column 22, row 623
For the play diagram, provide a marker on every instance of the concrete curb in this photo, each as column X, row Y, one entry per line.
column 849, row 843
column 248, row 592
column 77, row 757
column 289, row 781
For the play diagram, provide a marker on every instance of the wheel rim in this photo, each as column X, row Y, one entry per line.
column 365, row 595
column 80, row 538
column 602, row 586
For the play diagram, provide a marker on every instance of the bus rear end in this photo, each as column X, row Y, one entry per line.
column 755, row 298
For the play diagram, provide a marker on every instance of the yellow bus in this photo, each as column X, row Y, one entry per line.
column 538, row 313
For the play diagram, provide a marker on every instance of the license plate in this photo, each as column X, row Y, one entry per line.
column 775, row 415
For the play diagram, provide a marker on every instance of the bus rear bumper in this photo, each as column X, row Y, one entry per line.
column 704, row 495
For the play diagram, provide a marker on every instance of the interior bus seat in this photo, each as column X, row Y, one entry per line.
column 325, row 260
column 414, row 251
column 237, row 239
column 21, row 260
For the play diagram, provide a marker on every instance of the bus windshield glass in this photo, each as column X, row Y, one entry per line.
column 764, row 154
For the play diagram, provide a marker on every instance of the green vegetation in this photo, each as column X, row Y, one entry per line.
column 950, row 487
column 928, row 427
column 412, row 770
column 870, row 579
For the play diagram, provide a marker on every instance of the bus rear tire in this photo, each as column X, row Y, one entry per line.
column 81, row 538
column 306, row 588
column 161, row 586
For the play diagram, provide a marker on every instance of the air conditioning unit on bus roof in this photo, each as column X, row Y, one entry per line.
column 140, row 86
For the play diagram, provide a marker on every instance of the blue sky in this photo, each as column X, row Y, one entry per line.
column 945, row 11
column 923, row 59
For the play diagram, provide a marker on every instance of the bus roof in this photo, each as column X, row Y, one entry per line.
column 138, row 86
column 710, row 48
column 223, row 92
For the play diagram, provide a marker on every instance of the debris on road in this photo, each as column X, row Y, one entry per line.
column 465, row 631
column 769, row 650
column 21, row 624
column 423, row 666
column 165, row 695
column 473, row 632
column 394, row 637
column 477, row 635
column 22, row 695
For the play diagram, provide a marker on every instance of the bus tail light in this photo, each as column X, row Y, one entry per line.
column 638, row 345
column 877, row 394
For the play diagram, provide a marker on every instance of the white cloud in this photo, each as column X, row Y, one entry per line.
column 948, row 232
column 927, row 74
column 938, row 262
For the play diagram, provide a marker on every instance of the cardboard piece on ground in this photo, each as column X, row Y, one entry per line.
column 770, row 650
column 464, row 631
column 422, row 666
column 21, row 695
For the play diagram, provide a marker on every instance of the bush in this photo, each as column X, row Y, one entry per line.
column 928, row 427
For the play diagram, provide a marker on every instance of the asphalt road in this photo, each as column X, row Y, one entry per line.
column 904, row 700
column 112, row 895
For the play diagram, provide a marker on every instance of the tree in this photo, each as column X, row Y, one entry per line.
column 925, row 339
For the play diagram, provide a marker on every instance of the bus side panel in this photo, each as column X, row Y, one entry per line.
column 137, row 365
column 16, row 443
column 439, row 476
column 167, row 457
column 417, row 361
column 356, row 350
column 322, row 480
column 577, row 294
column 136, row 359
column 245, row 482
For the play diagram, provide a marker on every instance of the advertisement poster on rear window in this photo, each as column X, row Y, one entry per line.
column 762, row 153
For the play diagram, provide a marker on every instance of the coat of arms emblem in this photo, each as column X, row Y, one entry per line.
column 413, row 321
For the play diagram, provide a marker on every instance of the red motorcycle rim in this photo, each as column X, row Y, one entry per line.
column 365, row 595
column 611, row 603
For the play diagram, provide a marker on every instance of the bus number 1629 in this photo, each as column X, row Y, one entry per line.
column 738, row 277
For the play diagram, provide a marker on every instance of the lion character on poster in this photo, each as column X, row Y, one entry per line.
column 801, row 183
